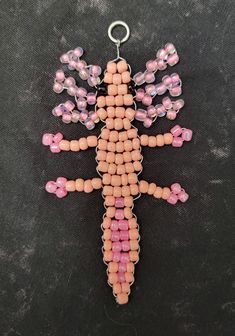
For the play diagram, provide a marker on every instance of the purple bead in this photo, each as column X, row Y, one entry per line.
column 91, row 98
column 115, row 236
column 61, row 181
column 67, row 118
column 183, row 196
column 119, row 202
column 122, row 267
column 124, row 235
column 140, row 114
column 116, row 256
column 121, row 277
column 147, row 100
column 116, row 246
column 150, row 89
column 151, row 111
column 176, row 188
column 119, row 214
column 114, row 225
column 139, row 78
column 148, row 122
column 123, row 225
column 47, row 139
column 187, row 134
column 93, row 81
column 51, row 187
column 139, row 94
column 160, row 88
column 72, row 91
column 58, row 137
column 172, row 199
column 176, row 131
column 69, row 105
column 151, row 65
column 124, row 257
column 78, row 52
column 149, row 77
column 125, row 245
column 177, row 142
column 54, row 147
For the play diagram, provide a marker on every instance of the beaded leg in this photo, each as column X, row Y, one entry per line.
column 171, row 195
column 58, row 144
column 62, row 186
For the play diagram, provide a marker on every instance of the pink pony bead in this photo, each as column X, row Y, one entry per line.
column 122, row 267
column 51, row 187
column 114, row 225
column 123, row 225
column 119, row 214
column 171, row 115
column 151, row 65
column 176, row 131
column 121, row 277
column 187, row 134
column 119, row 202
column 58, row 137
column 115, row 236
column 183, row 196
column 177, row 142
column 149, row 77
column 59, row 76
column 147, row 100
column 175, row 91
column 66, row 118
column 116, row 247
column 172, row 199
column 176, row 188
column 139, row 94
column 116, row 256
column 57, row 87
column 61, row 192
column 125, row 245
column 124, row 235
column 61, row 181
column 47, row 139
column 54, row 148
column 124, row 258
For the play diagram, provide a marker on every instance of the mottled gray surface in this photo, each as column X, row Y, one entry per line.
column 52, row 280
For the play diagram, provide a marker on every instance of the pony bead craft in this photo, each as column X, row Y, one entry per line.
column 118, row 147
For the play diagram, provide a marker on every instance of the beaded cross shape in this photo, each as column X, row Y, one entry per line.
column 117, row 101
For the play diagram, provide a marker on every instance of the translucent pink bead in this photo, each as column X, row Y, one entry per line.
column 161, row 111
column 81, row 104
column 187, row 134
column 139, row 78
column 123, row 225
column 170, row 48
column 90, row 125
column 177, row 142
column 139, row 94
column 167, row 81
column 54, row 147
column 150, row 89
column 116, row 247
column 122, row 267
column 58, row 137
column 81, row 65
column 173, row 59
column 69, row 105
column 78, row 52
column 84, row 115
column 167, row 103
column 151, row 65
column 72, row 65
column 59, row 75
column 83, row 74
column 147, row 122
column 161, row 65
column 119, row 202
column 91, row 98
column 61, row 181
column 175, row 78
column 95, row 70
column 114, row 225
column 51, row 187
column 151, row 110
column 147, row 100
column 125, row 245
column 178, row 104
column 121, row 277
column 75, row 116
column 149, row 77
column 70, row 81
column 176, row 91
column 183, row 196
column 172, row 199
column 116, row 256
column 67, row 118
column 171, row 115
column 61, row 192
column 81, row 92
column 64, row 58
column 115, row 236
column 72, row 91
column 176, row 131
column 124, row 258
column 47, row 139
column 176, row 188
column 140, row 115
column 57, row 112
column 161, row 54
column 57, row 87
column 124, row 235
column 94, row 116
column 161, row 88
column 119, row 214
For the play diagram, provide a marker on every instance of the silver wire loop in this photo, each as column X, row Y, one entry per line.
column 115, row 24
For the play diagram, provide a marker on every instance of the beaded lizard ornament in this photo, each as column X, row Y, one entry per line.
column 117, row 102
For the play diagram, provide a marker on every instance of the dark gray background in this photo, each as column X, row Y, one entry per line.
column 53, row 280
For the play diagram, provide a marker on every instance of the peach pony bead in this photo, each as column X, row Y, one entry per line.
column 129, row 277
column 144, row 139
column 64, row 145
column 168, row 138
column 113, row 267
column 88, row 186
column 126, row 77
column 132, row 223
column 119, row 100
column 125, row 287
column 107, row 256
column 132, row 133
column 134, row 256
column 113, row 136
column 160, row 140
column 127, row 156
column 111, row 146
column 113, row 278
column 129, row 167
column 126, row 191
column 110, row 123
column 101, row 101
column 117, row 79
column 102, row 144
column 136, row 143
column 120, row 147
column 112, row 168
column 158, row 192
column 110, row 212
column 137, row 166
column 111, row 112
column 124, row 179
column 128, row 145
column 106, row 223
column 152, row 141
column 106, row 178
column 134, row 189
column 134, row 245
column 107, row 245
column 122, row 89
column 92, row 141
column 119, row 162
column 105, row 133
column 151, row 188
column 110, row 100
column 102, row 114
column 129, row 113
column 117, row 191
column 117, row 288
column 128, row 99
column 128, row 201
column 143, row 186
column 115, row 180
column 122, row 136
column 128, row 213
column 112, row 90
column 96, row 183
column 136, row 155
column 111, row 67
column 107, row 234
column 122, row 66
column 103, row 166
column 109, row 201
column 120, row 112
column 74, row 145
column 132, row 178
column 83, row 143
column 70, row 186
column 120, row 168
column 108, row 190
column 110, row 158
column 79, row 184
column 122, row 298
column 126, row 124
column 108, row 78
column 101, row 155
column 118, row 124
column 166, row 193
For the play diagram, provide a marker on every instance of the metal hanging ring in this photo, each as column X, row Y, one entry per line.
column 115, row 24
